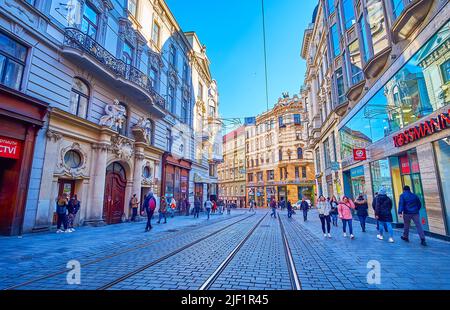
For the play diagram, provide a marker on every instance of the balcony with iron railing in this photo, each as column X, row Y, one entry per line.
column 89, row 53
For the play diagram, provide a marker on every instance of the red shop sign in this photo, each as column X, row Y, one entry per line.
column 404, row 165
column 10, row 148
column 359, row 154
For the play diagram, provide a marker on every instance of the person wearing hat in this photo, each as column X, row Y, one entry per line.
column 383, row 213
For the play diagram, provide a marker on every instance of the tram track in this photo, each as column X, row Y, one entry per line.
column 293, row 275
column 136, row 248
column 167, row 256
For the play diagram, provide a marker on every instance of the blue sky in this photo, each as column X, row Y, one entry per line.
column 232, row 32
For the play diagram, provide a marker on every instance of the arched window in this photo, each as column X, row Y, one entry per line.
column 79, row 98
column 299, row 153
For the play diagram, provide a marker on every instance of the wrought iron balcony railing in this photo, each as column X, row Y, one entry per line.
column 76, row 39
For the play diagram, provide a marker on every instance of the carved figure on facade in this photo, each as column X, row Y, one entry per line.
column 115, row 115
column 143, row 130
column 122, row 147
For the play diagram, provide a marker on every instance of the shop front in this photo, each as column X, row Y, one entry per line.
column 405, row 126
column 21, row 117
column 175, row 177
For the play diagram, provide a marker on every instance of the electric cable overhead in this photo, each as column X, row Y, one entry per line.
column 265, row 54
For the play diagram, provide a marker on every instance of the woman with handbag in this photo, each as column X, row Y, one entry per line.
column 345, row 208
column 324, row 208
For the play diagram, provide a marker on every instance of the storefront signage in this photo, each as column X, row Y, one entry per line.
column 9, row 148
column 423, row 130
column 359, row 154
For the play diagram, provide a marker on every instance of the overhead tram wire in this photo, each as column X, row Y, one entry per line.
column 265, row 54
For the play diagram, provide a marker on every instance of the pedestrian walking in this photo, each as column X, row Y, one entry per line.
column 188, row 205
column 289, row 209
column 362, row 210
column 304, row 206
column 252, row 205
column 229, row 209
column 409, row 209
column 162, row 210
column 134, row 204
column 345, row 208
column 214, row 206
column 149, row 208
column 273, row 206
column 334, row 210
column 173, row 207
column 208, row 207
column 383, row 213
column 197, row 207
column 61, row 213
column 324, row 208
column 73, row 207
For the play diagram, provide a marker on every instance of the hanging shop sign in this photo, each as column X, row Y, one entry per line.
column 9, row 148
column 359, row 154
column 424, row 129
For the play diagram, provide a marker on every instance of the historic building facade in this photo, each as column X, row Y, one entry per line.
column 279, row 164
column 232, row 172
column 385, row 66
column 118, row 79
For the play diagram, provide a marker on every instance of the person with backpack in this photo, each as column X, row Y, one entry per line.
column 345, row 208
column 61, row 213
column 334, row 211
column 162, row 210
column 208, row 207
column 383, row 213
column 73, row 208
column 273, row 206
column 149, row 208
column 409, row 209
column 362, row 210
column 324, row 208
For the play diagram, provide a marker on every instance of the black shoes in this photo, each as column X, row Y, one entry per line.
column 423, row 242
column 405, row 239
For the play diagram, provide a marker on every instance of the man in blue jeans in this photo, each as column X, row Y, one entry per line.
column 409, row 208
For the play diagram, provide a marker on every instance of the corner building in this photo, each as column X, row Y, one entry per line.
column 117, row 77
column 391, row 67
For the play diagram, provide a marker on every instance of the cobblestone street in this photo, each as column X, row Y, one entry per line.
column 242, row 251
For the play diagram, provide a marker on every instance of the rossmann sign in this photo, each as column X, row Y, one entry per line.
column 424, row 129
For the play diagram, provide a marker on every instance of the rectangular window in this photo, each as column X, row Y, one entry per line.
column 212, row 112
column 250, row 177
column 89, row 23
column 169, row 140
column 184, row 111
column 132, row 7
column 318, row 166
column 364, row 41
column 185, row 73
column 304, row 172
column 335, row 40
column 173, row 55
column 297, row 173
column 445, row 69
column 127, row 54
column 355, row 62
column 349, row 13
column 326, row 147
column 297, row 119
column 340, row 86
column 154, row 78
column 281, row 122
column 171, row 99
column 12, row 62
column 155, row 33
column 260, row 177
column 270, row 175
column 376, row 21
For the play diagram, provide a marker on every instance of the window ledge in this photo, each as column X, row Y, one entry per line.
column 377, row 63
column 341, row 109
column 411, row 17
column 355, row 91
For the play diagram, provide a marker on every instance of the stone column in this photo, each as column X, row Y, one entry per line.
column 49, row 184
column 138, row 163
column 94, row 215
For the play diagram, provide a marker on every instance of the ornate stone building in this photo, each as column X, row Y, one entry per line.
column 232, row 172
column 279, row 164
column 119, row 80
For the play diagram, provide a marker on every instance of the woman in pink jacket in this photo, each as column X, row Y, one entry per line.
column 345, row 208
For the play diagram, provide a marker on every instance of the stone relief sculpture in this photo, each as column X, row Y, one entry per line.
column 122, row 147
column 143, row 130
column 63, row 168
column 115, row 115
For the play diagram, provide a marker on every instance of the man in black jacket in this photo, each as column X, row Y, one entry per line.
column 383, row 213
